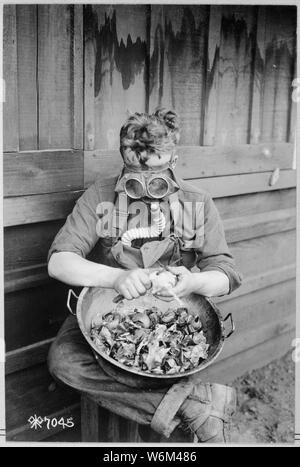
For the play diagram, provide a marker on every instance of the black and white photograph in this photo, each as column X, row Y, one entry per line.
column 149, row 226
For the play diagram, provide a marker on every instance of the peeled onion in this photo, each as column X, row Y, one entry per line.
column 162, row 281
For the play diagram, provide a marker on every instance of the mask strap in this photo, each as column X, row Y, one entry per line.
column 120, row 214
column 139, row 170
column 176, row 212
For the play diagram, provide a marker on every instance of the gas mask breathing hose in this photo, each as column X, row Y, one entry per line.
column 159, row 223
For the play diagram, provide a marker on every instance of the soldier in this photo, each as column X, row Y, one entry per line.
column 94, row 250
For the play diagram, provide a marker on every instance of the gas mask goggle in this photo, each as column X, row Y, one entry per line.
column 150, row 184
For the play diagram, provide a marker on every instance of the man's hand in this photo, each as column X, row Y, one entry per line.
column 185, row 282
column 207, row 283
column 131, row 284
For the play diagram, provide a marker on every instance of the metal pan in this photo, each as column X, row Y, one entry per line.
column 100, row 301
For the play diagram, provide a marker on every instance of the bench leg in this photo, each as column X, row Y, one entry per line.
column 100, row 425
column 90, row 423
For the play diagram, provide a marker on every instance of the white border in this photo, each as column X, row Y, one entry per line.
column 214, row 2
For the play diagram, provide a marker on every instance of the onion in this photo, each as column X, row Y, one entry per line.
column 162, row 281
column 141, row 318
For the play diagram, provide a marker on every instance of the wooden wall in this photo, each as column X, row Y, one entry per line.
column 227, row 71
column 43, row 169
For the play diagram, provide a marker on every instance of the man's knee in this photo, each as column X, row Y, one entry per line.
column 56, row 362
column 71, row 363
column 62, row 365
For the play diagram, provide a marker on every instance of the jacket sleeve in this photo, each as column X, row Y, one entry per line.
column 214, row 253
column 79, row 233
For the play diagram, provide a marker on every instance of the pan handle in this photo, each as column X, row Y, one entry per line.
column 229, row 316
column 70, row 293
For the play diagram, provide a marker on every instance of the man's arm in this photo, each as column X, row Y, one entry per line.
column 214, row 256
column 72, row 269
column 209, row 283
column 218, row 275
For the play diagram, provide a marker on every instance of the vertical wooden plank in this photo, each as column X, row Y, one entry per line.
column 285, row 57
column 90, row 420
column 178, row 64
column 77, row 42
column 212, row 77
column 258, row 77
column 273, row 73
column 293, row 113
column 115, row 56
column 54, row 76
column 27, row 75
column 113, row 428
column 229, row 76
column 89, row 78
column 10, row 105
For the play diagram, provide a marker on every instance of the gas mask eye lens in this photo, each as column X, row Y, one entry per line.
column 158, row 187
column 134, row 188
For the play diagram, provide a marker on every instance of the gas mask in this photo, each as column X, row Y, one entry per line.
column 140, row 185
column 152, row 184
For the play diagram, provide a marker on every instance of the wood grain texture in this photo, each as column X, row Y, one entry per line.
column 260, row 316
column 27, row 76
column 10, row 76
column 258, row 255
column 273, row 73
column 27, row 246
column 232, row 185
column 293, row 106
column 202, row 161
column 21, row 210
column 29, row 173
column 115, row 45
column 27, row 357
column 25, row 278
column 55, row 76
column 90, row 420
column 178, row 64
column 25, row 433
column 39, row 208
column 230, row 56
column 100, row 425
column 259, row 225
column 77, row 66
column 33, row 315
column 27, row 393
column 258, row 281
column 227, row 370
column 255, row 203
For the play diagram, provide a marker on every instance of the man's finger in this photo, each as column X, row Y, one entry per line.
column 140, row 287
column 126, row 294
column 145, row 280
column 132, row 290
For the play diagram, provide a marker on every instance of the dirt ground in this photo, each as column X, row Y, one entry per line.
column 266, row 399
